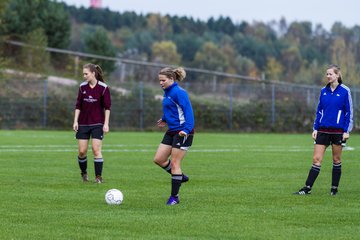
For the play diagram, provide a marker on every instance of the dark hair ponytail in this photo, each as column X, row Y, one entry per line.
column 96, row 69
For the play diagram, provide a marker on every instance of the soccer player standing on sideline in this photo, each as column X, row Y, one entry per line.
column 91, row 119
column 333, row 123
column 179, row 116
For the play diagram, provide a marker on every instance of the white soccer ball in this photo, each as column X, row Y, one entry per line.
column 114, row 197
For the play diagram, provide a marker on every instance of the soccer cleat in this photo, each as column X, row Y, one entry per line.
column 98, row 179
column 304, row 191
column 173, row 200
column 184, row 178
column 333, row 191
column 84, row 177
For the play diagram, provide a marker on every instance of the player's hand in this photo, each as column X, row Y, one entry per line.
column 346, row 136
column 106, row 128
column 314, row 134
column 182, row 134
column 75, row 126
column 161, row 123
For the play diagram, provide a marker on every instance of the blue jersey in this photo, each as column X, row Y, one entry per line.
column 335, row 110
column 177, row 109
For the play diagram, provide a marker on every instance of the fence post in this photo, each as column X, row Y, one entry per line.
column 230, row 105
column 214, row 83
column 122, row 72
column 315, row 98
column 45, row 104
column 187, row 85
column 141, row 106
column 308, row 97
column 354, row 109
column 273, row 117
column 76, row 67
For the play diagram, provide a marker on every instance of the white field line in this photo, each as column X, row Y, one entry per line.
column 152, row 148
column 155, row 145
column 72, row 145
column 111, row 150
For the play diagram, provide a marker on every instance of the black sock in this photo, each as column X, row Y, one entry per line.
column 82, row 164
column 168, row 167
column 175, row 184
column 336, row 174
column 98, row 165
column 313, row 173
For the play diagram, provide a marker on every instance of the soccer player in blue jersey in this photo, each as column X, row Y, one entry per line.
column 179, row 116
column 92, row 113
column 333, row 123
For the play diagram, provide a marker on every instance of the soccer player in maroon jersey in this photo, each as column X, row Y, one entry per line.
column 92, row 113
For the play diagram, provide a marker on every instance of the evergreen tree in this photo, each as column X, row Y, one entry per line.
column 97, row 42
column 34, row 56
column 21, row 17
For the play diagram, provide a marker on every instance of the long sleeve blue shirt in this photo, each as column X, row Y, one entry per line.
column 177, row 109
column 335, row 109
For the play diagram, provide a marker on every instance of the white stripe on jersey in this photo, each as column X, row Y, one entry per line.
column 338, row 117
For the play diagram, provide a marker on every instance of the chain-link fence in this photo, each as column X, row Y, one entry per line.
column 221, row 102
column 243, row 106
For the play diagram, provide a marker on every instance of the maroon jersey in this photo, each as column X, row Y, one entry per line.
column 92, row 103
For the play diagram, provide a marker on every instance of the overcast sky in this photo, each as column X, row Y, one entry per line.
column 325, row 12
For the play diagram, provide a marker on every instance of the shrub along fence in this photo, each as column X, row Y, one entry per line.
column 244, row 106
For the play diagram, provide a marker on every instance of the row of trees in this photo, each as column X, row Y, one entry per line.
column 293, row 52
column 45, row 23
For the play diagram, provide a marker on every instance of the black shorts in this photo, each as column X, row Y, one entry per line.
column 328, row 139
column 84, row 132
column 176, row 141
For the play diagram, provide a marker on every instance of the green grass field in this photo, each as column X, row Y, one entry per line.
column 240, row 187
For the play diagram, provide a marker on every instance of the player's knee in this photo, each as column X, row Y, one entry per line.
column 317, row 160
column 175, row 165
column 157, row 160
column 336, row 160
column 97, row 153
column 82, row 153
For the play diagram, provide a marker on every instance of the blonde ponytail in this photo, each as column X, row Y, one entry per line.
column 180, row 73
column 174, row 73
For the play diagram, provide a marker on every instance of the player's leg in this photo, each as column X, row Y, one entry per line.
column 83, row 140
column 83, row 147
column 176, row 175
column 98, row 159
column 82, row 158
column 321, row 142
column 318, row 156
column 162, row 157
column 179, row 148
column 97, row 136
column 336, row 170
column 163, row 152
